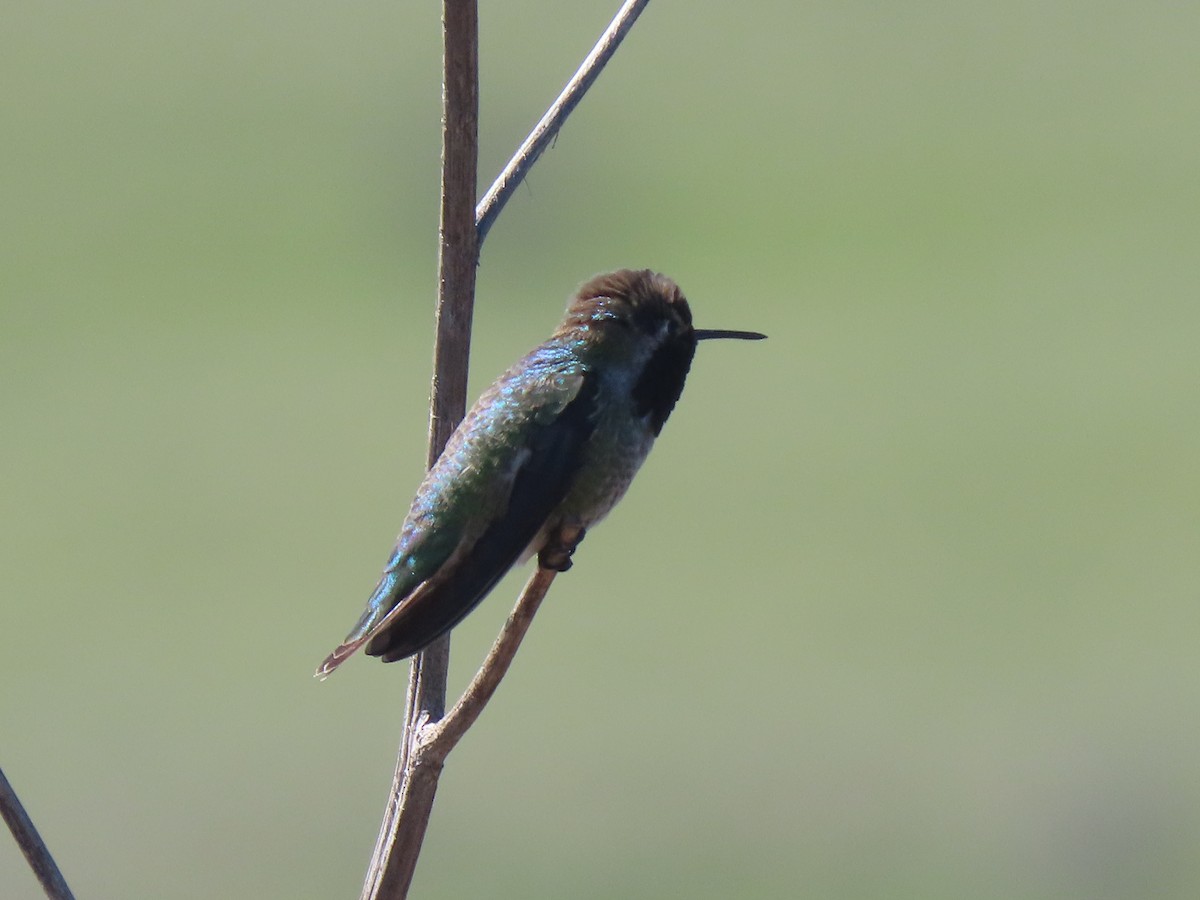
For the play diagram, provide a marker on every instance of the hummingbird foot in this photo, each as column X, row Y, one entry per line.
column 556, row 553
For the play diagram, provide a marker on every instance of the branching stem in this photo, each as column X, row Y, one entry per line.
column 429, row 732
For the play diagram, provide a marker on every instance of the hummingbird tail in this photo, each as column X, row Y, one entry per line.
column 337, row 657
column 381, row 608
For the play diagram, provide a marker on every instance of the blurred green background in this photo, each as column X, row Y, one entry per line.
column 904, row 603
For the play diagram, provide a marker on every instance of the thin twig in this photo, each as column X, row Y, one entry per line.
column 430, row 733
column 411, row 799
column 427, row 747
column 442, row 737
column 543, row 133
column 31, row 843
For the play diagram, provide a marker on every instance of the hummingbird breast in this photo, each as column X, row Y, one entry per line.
column 618, row 446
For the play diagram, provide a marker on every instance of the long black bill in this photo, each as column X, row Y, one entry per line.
column 708, row 334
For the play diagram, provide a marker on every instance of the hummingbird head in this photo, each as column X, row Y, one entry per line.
column 638, row 323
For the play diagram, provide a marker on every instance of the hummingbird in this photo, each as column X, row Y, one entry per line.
column 542, row 456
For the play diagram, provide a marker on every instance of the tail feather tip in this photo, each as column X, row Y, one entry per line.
column 335, row 659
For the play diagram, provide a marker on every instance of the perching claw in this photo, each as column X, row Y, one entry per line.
column 559, row 547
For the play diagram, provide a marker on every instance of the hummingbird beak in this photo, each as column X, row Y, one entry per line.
column 707, row 334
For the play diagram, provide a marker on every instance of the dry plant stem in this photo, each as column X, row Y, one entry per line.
column 425, row 749
column 31, row 843
column 428, row 737
column 411, row 799
column 543, row 133
column 437, row 740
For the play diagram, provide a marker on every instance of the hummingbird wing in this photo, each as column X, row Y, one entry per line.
column 449, row 556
